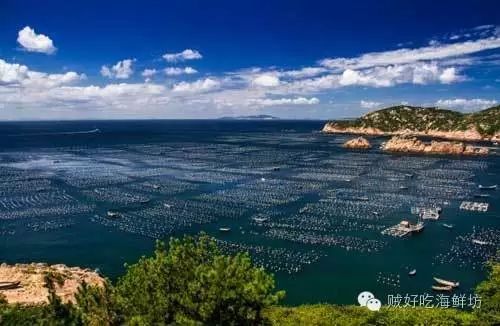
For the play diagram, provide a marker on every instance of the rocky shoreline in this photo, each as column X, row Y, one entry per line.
column 470, row 134
column 414, row 145
column 32, row 287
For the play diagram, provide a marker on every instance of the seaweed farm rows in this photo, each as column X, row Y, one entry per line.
column 292, row 200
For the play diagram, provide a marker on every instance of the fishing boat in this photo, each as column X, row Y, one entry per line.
column 492, row 187
column 412, row 272
column 480, row 242
column 442, row 288
column 446, row 283
column 9, row 285
column 448, row 226
column 224, row 229
column 259, row 219
column 113, row 214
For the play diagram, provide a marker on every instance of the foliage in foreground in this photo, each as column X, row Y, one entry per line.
column 191, row 283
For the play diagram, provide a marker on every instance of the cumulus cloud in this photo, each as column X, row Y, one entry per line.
column 148, row 73
column 266, row 80
column 370, row 104
column 121, row 70
column 187, row 54
column 201, row 85
column 466, row 104
column 176, row 71
column 15, row 74
column 283, row 101
column 33, row 42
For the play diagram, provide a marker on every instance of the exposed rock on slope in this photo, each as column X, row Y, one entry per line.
column 357, row 143
column 33, row 286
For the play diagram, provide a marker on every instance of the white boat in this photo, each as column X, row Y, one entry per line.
column 412, row 272
column 442, row 288
column 448, row 226
column 446, row 283
column 480, row 242
column 492, row 187
column 260, row 219
column 224, row 229
column 113, row 214
column 167, row 205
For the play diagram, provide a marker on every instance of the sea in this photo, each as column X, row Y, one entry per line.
column 309, row 211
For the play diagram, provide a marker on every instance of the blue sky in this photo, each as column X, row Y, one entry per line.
column 206, row 59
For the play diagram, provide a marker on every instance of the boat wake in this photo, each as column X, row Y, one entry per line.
column 93, row 131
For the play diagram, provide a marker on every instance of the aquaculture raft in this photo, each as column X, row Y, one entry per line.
column 474, row 206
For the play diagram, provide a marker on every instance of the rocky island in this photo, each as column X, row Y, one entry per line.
column 424, row 122
column 357, row 143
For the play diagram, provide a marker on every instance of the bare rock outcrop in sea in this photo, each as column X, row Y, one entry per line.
column 32, row 288
column 357, row 143
column 414, row 145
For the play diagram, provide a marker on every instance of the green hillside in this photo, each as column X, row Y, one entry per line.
column 416, row 118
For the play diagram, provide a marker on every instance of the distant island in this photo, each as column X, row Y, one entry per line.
column 251, row 117
column 431, row 122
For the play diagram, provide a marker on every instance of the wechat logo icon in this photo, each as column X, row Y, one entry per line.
column 368, row 300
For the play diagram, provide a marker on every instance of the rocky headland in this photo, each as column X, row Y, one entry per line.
column 414, row 145
column 423, row 122
column 33, row 287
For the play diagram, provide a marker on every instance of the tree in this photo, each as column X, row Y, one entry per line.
column 489, row 292
column 193, row 283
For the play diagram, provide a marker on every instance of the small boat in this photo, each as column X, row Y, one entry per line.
column 492, row 187
column 224, row 229
column 480, row 242
column 145, row 201
column 482, row 195
column 167, row 205
column 446, row 283
column 260, row 219
column 403, row 187
column 409, row 175
column 113, row 214
column 412, row 272
column 9, row 285
column 262, row 179
column 442, row 288
column 448, row 226
column 156, row 186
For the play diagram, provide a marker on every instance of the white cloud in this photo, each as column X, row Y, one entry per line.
column 176, row 71
column 449, row 75
column 187, row 54
column 266, row 80
column 466, row 104
column 406, row 56
column 283, row 101
column 304, row 72
column 34, row 42
column 121, row 70
column 369, row 104
column 20, row 75
column 201, row 85
column 148, row 73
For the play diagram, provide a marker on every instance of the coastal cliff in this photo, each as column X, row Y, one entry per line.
column 33, row 287
column 425, row 122
column 414, row 145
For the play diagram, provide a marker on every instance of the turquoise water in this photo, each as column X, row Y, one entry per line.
column 299, row 203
